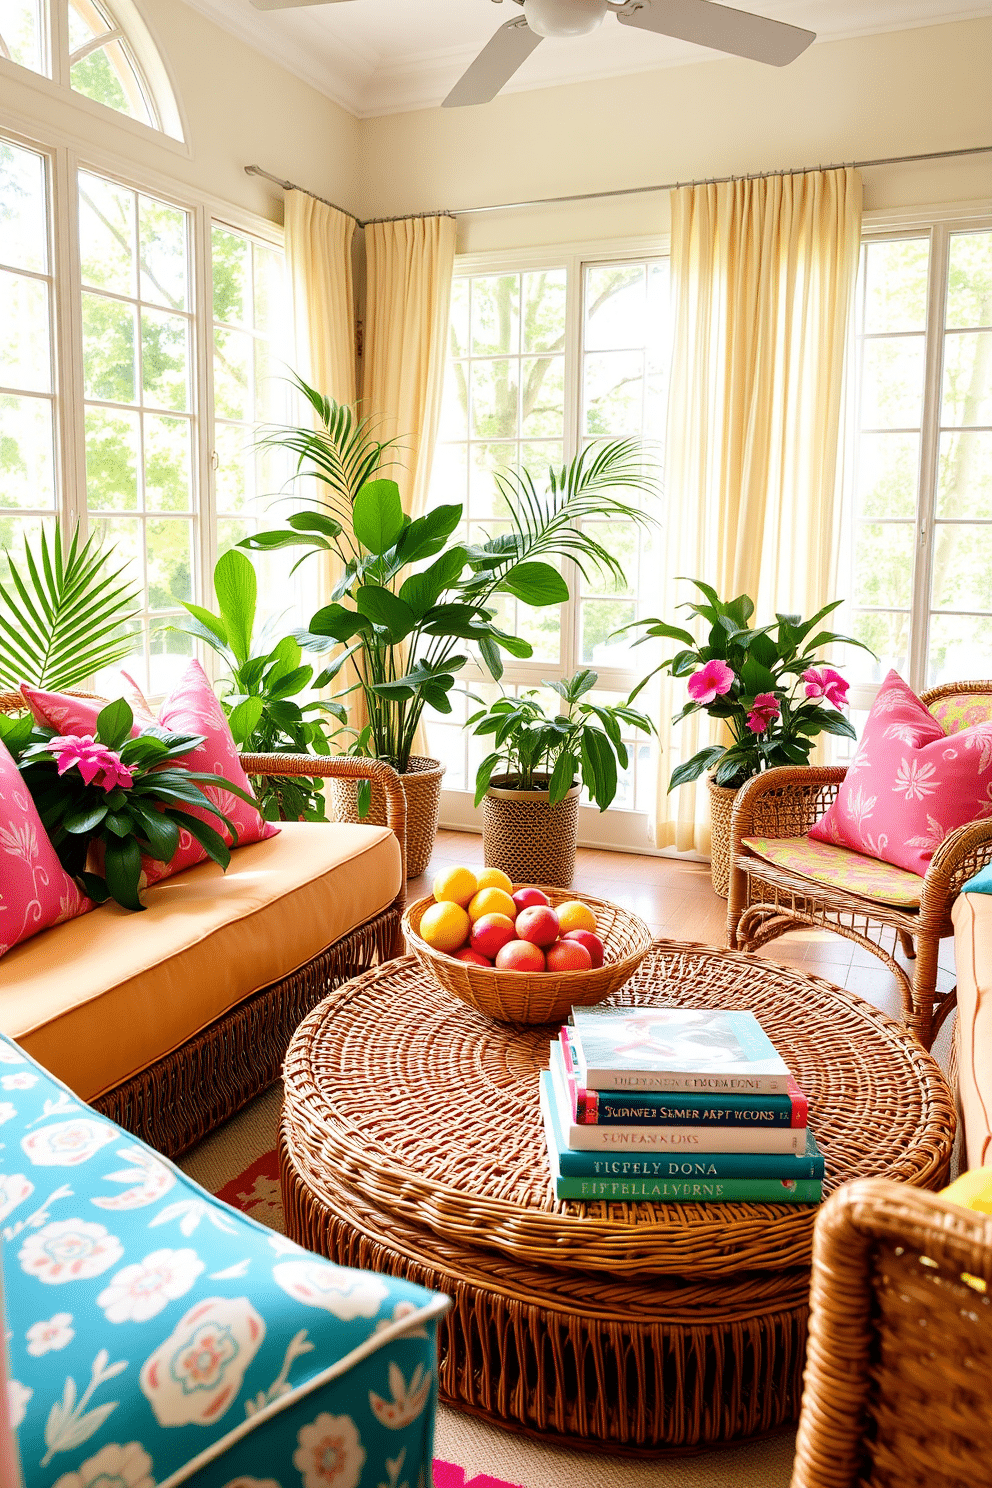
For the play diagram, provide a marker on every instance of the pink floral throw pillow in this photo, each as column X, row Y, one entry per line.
column 35, row 890
column 191, row 708
column 909, row 784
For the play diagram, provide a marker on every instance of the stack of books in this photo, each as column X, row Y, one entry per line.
column 677, row 1104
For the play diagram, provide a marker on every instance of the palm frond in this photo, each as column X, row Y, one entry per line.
column 66, row 617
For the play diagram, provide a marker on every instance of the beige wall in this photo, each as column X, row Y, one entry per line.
column 892, row 94
column 238, row 108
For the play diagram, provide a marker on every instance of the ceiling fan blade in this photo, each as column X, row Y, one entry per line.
column 719, row 27
column 290, row 4
column 495, row 64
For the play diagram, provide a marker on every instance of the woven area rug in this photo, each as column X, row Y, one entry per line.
column 240, row 1164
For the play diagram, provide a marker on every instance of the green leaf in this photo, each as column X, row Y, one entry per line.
column 562, row 778
column 114, row 724
column 122, row 866
column 385, row 609
column 334, row 620
column 489, row 652
column 211, row 841
column 267, row 542
column 427, row 535
column 421, row 591
column 245, row 718
column 214, row 624
column 314, row 522
column 483, row 776
column 236, row 588
column 85, row 819
column 161, row 834
column 364, row 798
column 691, row 769
column 535, row 584
column 377, row 515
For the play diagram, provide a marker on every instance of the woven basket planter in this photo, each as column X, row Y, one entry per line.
column 422, row 788
column 532, row 841
column 722, row 798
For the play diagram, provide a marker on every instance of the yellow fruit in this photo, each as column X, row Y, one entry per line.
column 574, row 915
column 455, row 886
column 445, row 927
column 495, row 878
column 491, row 901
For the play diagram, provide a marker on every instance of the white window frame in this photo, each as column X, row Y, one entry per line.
column 937, row 224
column 65, row 157
column 619, row 830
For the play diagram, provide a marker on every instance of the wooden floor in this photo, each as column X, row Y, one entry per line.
column 674, row 897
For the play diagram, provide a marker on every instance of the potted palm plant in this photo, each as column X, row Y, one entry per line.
column 530, row 782
column 412, row 603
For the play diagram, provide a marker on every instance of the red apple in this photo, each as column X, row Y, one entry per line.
column 538, row 924
column 491, row 933
column 528, row 898
column 474, row 958
column 520, row 955
column 592, row 943
column 568, row 955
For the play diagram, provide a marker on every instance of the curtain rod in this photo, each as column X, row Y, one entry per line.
column 551, row 201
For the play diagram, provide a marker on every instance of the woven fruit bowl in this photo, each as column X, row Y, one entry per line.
column 538, row 997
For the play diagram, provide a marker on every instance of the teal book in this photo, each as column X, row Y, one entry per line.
column 685, row 1049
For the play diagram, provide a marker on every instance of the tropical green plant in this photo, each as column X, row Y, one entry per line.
column 66, row 616
column 765, row 682
column 124, row 796
column 538, row 751
column 261, row 689
column 406, row 624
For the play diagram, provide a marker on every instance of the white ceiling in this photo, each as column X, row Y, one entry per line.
column 385, row 56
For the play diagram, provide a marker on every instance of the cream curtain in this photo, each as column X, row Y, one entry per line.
column 408, row 291
column 763, row 276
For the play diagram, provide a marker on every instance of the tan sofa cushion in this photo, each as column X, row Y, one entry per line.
column 101, row 998
column 972, row 916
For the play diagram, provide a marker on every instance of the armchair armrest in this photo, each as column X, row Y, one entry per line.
column 343, row 767
column 784, row 802
column 961, row 854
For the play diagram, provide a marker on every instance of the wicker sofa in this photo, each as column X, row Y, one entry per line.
column 171, row 1020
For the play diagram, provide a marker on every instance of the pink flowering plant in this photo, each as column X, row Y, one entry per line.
column 123, row 796
column 765, row 681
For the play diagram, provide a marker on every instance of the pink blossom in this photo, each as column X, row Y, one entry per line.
column 763, row 710
column 712, row 680
column 94, row 761
column 826, row 683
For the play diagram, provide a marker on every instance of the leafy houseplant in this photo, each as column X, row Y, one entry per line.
column 263, row 682
column 126, row 796
column 409, row 598
column 66, row 616
column 531, row 804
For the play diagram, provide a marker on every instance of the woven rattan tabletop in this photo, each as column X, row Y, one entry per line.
column 428, row 1111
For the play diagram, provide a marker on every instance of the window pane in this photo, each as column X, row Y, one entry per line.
column 896, row 285
column 27, row 461
column 21, row 35
column 232, row 444
column 85, row 23
column 600, row 617
column 496, row 315
column 170, row 563
column 962, row 567
column 892, row 390
column 967, row 394
column 232, row 364
column 162, row 243
column 165, row 360
column 231, row 276
column 615, row 298
column 25, row 360
column 544, row 310
column 454, row 402
column 108, row 77
column 168, row 464
column 964, row 486
column 888, row 472
column 969, row 281
column 542, row 397
column 106, row 234
column 484, row 497
column 885, row 634
column 960, row 647
column 620, row 541
column 112, row 443
column 271, row 297
column 614, row 386
column 170, row 654
column 495, row 390
column 884, row 564
column 108, row 349
column 23, row 208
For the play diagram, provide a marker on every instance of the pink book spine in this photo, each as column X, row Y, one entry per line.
column 800, row 1105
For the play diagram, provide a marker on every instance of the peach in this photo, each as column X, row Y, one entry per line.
column 520, row 955
column 491, row 934
column 539, row 924
column 574, row 915
column 592, row 943
column 526, row 898
column 568, row 955
column 474, row 958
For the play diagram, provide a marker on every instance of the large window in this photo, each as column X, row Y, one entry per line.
column 120, row 435
column 918, row 549
column 544, row 359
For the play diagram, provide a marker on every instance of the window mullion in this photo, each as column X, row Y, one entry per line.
column 69, row 344
column 58, row 33
column 929, row 453
column 569, row 642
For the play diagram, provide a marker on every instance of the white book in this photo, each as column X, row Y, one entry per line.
column 670, row 1138
column 710, row 1050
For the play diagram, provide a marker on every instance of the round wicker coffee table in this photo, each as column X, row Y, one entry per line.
column 412, row 1144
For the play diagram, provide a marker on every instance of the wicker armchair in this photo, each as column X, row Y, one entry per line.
column 767, row 900
column 900, row 1343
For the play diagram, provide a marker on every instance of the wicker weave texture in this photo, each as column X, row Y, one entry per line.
column 527, row 838
column 422, row 788
column 522, row 997
column 900, row 1351
column 722, row 798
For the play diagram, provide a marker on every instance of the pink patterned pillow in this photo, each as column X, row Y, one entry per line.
column 191, row 708
column 35, row 890
column 909, row 784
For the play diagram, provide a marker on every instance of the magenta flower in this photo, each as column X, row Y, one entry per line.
column 710, row 682
column 95, row 762
column 826, row 683
column 764, row 709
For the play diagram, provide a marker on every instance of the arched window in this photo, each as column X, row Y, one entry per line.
column 111, row 57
